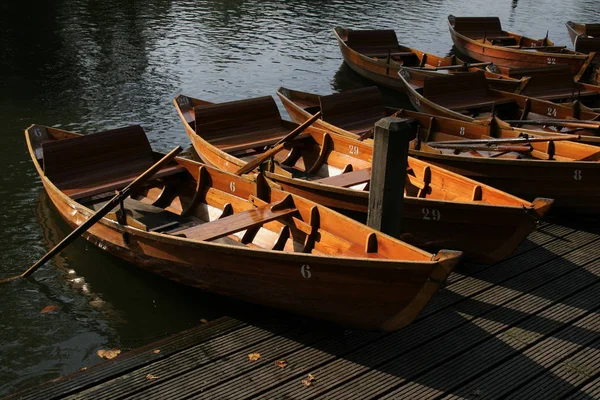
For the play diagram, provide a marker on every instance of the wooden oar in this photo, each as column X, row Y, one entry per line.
column 491, row 142
column 278, row 146
column 458, row 66
column 537, row 47
column 98, row 215
column 571, row 123
column 469, row 147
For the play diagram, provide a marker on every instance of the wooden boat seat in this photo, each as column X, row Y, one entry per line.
column 256, row 139
column 592, row 30
column 345, row 109
column 239, row 125
column 478, row 27
column 553, row 82
column 461, row 91
column 152, row 218
column 347, row 179
column 372, row 38
column 88, row 190
column 237, row 222
column 113, row 159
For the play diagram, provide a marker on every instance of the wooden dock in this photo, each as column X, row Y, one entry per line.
column 527, row 327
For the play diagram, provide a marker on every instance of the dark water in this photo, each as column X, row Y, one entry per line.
column 91, row 65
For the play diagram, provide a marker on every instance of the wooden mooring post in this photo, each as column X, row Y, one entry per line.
column 388, row 175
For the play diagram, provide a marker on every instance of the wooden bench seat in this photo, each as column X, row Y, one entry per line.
column 372, row 38
column 150, row 217
column 237, row 222
column 461, row 91
column 462, row 104
column 240, row 125
column 77, row 193
column 101, row 162
column 250, row 140
column 384, row 53
column 478, row 27
column 347, row 179
column 348, row 108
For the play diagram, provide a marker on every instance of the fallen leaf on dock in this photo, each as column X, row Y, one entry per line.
column 48, row 309
column 203, row 321
column 281, row 363
column 108, row 354
column 309, row 380
column 253, row 356
column 156, row 351
column 151, row 377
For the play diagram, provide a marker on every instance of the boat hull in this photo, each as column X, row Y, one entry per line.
column 574, row 186
column 514, row 58
column 484, row 233
column 334, row 289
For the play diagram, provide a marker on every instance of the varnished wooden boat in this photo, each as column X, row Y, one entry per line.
column 219, row 232
column 377, row 55
column 585, row 37
column 468, row 97
column 483, row 39
column 555, row 83
column 554, row 170
column 441, row 209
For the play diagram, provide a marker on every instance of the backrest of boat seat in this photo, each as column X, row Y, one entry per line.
column 472, row 85
column 343, row 109
column 592, row 30
column 237, row 117
column 368, row 41
column 550, row 78
column 478, row 26
column 97, row 158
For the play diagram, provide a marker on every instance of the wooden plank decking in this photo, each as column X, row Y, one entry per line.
column 527, row 327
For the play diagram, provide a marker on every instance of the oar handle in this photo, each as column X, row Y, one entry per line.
column 278, row 146
column 99, row 214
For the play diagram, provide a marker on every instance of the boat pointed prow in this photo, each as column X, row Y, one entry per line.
column 541, row 205
column 446, row 261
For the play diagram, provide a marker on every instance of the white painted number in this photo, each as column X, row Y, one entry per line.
column 462, row 131
column 417, row 102
column 183, row 101
column 305, row 271
column 551, row 112
column 353, row 149
column 232, row 186
column 431, row 214
column 439, row 63
column 551, row 60
column 404, row 74
column 37, row 132
column 577, row 175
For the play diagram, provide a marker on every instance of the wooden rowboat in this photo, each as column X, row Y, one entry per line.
column 219, row 232
column 377, row 56
column 441, row 209
column 585, row 37
column 468, row 97
column 553, row 169
column 553, row 82
column 483, row 39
